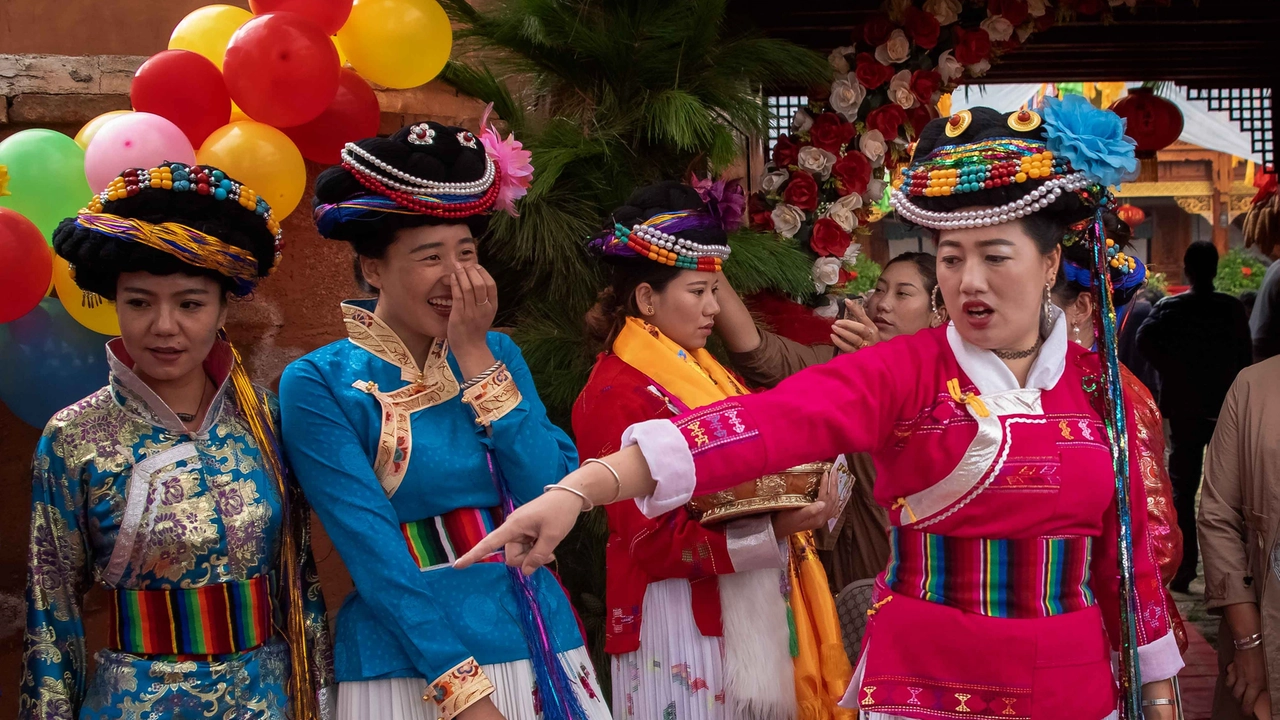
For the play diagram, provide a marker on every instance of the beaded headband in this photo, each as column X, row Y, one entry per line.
column 654, row 239
column 185, row 243
column 959, row 169
column 455, row 200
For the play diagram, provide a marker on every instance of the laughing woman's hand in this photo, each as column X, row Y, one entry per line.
column 475, row 304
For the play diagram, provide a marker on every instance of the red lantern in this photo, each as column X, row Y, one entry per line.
column 1153, row 122
column 1131, row 214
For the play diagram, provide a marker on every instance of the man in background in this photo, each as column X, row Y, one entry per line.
column 1265, row 322
column 1197, row 342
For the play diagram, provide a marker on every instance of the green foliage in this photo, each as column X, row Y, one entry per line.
column 867, row 271
column 1238, row 272
column 1158, row 281
column 610, row 95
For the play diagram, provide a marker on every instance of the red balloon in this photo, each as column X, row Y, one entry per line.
column 26, row 265
column 281, row 69
column 186, row 89
column 353, row 115
column 328, row 15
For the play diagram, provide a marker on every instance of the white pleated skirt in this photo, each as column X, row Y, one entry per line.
column 678, row 673
column 513, row 682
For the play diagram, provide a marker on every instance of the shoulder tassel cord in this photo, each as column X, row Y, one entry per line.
column 1114, row 415
column 554, row 685
column 302, row 682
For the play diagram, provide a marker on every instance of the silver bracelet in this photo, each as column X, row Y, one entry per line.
column 1248, row 643
column 586, row 500
column 482, row 376
column 1158, row 701
column 617, row 480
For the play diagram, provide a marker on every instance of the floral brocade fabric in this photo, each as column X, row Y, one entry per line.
column 211, row 517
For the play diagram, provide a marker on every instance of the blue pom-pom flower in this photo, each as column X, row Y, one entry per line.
column 1092, row 140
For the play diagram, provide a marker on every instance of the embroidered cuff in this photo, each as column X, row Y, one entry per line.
column 752, row 544
column 670, row 464
column 493, row 397
column 459, row 688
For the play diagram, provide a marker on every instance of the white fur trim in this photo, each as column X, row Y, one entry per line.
column 759, row 673
column 670, row 464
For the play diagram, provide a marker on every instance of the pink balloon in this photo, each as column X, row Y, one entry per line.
column 136, row 140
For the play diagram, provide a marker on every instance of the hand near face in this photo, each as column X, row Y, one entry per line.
column 855, row 331
column 475, row 304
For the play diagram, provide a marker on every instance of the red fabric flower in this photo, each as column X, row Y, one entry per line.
column 924, row 83
column 847, row 276
column 922, row 27
column 1246, row 271
column 919, row 116
column 829, row 239
column 785, row 152
column 972, row 46
column 887, row 119
column 1088, row 7
column 831, row 132
column 1015, row 11
column 801, row 191
column 877, row 29
column 870, row 72
column 852, row 173
column 759, row 213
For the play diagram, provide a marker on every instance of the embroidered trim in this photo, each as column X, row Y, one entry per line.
column 369, row 332
column 213, row 619
column 395, row 437
column 897, row 693
column 712, row 427
column 492, row 398
column 459, row 689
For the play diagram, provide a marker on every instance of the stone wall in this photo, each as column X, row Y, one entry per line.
column 292, row 313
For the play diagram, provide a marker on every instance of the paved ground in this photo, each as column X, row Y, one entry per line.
column 1198, row 677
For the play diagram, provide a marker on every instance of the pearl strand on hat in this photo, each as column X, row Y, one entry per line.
column 416, row 185
column 684, row 247
column 1038, row 199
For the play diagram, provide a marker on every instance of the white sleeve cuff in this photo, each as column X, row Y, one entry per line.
column 670, row 464
column 752, row 544
column 1160, row 659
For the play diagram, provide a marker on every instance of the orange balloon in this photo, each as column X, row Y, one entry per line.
column 91, row 128
column 262, row 158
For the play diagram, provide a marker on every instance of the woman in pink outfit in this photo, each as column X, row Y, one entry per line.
column 1013, row 545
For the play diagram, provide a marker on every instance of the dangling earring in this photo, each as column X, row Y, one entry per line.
column 1075, row 332
column 1046, row 318
column 933, row 300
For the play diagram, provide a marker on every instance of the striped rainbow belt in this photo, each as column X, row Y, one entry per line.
column 1024, row 578
column 216, row 619
column 437, row 541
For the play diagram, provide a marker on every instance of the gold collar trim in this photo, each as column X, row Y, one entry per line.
column 370, row 333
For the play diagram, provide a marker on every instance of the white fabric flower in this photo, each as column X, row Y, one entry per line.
column 842, row 211
column 1036, row 8
column 894, row 50
column 829, row 309
column 1025, row 32
column 850, row 257
column 979, row 68
column 826, row 271
column 875, row 190
column 947, row 11
column 998, row 28
column 949, row 67
column 773, row 181
column 816, row 160
column 872, row 144
column 900, row 90
column 847, row 95
column 801, row 122
column 838, row 59
column 787, row 219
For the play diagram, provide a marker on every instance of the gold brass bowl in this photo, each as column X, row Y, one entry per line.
column 787, row 490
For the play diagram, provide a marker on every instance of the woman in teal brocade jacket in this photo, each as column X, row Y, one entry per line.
column 166, row 486
column 410, row 435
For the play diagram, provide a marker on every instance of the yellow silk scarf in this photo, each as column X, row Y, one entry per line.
column 822, row 669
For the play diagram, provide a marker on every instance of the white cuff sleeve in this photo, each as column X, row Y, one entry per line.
column 670, row 464
column 1160, row 659
column 752, row 544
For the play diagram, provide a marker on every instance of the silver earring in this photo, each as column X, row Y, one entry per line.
column 934, row 301
column 1046, row 318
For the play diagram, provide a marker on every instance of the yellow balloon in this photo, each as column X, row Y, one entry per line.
column 91, row 128
column 396, row 43
column 342, row 57
column 207, row 30
column 237, row 114
column 262, row 158
column 89, row 309
column 49, row 292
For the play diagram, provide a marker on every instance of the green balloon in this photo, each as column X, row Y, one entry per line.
column 46, row 177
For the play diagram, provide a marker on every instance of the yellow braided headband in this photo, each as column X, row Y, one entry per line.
column 187, row 244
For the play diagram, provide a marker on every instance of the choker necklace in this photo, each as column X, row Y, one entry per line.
column 191, row 417
column 1017, row 354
